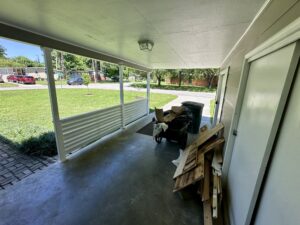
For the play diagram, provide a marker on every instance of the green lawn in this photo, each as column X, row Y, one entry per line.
column 26, row 113
column 5, row 85
column 212, row 106
column 45, row 82
column 175, row 87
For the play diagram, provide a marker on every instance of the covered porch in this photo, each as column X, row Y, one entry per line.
column 108, row 173
column 127, row 179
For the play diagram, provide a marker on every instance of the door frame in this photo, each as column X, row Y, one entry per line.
column 286, row 36
column 223, row 75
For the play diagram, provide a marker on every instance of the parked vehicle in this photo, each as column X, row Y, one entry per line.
column 115, row 78
column 28, row 80
column 12, row 78
column 75, row 79
column 19, row 79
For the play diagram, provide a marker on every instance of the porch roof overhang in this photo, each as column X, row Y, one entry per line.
column 186, row 34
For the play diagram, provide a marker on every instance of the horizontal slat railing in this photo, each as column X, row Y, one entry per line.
column 134, row 110
column 84, row 129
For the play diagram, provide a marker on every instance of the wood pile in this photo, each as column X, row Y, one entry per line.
column 200, row 165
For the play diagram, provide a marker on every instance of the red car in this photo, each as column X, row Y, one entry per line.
column 26, row 80
column 12, row 78
column 19, row 79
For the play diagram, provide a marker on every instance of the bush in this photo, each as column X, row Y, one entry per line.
column 175, row 87
column 43, row 145
column 86, row 79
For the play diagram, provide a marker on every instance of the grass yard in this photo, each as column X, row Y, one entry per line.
column 27, row 113
column 6, row 85
column 45, row 82
column 212, row 106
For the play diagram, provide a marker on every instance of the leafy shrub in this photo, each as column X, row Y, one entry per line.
column 43, row 145
column 86, row 79
column 175, row 87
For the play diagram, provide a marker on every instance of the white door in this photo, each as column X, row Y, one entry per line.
column 280, row 201
column 255, row 130
column 220, row 96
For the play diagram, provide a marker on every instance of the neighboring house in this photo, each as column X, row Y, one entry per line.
column 36, row 72
column 194, row 82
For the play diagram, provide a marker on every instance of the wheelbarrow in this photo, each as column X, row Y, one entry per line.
column 177, row 131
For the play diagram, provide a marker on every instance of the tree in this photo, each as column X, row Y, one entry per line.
column 86, row 80
column 160, row 75
column 9, row 63
column 2, row 52
column 209, row 75
column 26, row 62
column 75, row 62
column 111, row 70
column 23, row 61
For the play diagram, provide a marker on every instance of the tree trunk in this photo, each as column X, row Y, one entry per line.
column 180, row 79
column 210, row 82
column 159, row 81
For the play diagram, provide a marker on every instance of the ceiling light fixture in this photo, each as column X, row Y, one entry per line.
column 146, row 45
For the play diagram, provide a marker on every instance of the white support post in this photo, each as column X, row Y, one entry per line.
column 121, row 95
column 148, row 92
column 54, row 105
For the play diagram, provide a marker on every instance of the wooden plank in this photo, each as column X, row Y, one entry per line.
column 211, row 145
column 219, row 153
column 208, row 134
column 207, row 213
column 199, row 170
column 190, row 165
column 192, row 155
column 183, row 181
column 199, row 141
column 218, row 184
column 220, row 188
column 177, row 183
column 215, row 196
column 168, row 118
column 181, row 163
column 206, row 182
column 200, row 188
column 190, row 177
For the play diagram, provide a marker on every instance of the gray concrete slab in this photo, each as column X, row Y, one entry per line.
column 126, row 180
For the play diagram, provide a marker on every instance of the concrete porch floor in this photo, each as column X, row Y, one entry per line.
column 127, row 180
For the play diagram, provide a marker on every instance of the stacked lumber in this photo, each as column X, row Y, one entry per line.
column 200, row 164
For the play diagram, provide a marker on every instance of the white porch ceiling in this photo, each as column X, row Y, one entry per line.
column 186, row 33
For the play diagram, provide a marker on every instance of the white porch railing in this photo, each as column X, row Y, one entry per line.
column 135, row 110
column 84, row 129
column 81, row 130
